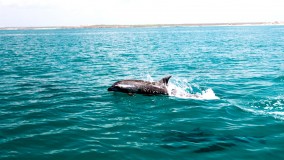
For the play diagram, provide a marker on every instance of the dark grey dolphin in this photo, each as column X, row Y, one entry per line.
column 141, row 87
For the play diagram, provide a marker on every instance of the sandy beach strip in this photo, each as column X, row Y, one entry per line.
column 145, row 25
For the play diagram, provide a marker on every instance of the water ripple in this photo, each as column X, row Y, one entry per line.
column 55, row 103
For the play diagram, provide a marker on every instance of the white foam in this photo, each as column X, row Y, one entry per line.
column 180, row 92
column 275, row 114
column 273, row 107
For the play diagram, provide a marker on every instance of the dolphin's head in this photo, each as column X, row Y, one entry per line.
column 114, row 87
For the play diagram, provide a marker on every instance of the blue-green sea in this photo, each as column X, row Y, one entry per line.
column 54, row 102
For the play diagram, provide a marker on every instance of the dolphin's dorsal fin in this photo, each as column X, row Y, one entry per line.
column 165, row 80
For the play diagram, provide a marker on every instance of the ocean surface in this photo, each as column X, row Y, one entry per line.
column 54, row 102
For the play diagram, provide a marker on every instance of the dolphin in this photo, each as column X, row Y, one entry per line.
column 141, row 87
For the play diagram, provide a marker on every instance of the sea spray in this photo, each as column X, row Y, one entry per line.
column 181, row 88
column 180, row 92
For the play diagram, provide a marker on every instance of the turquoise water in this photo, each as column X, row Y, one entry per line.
column 54, row 102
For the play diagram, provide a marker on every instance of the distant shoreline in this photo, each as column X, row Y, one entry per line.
column 145, row 25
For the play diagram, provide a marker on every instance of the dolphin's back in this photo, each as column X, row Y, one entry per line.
column 141, row 87
column 153, row 89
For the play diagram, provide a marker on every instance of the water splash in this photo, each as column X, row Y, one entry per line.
column 181, row 88
column 149, row 78
column 182, row 92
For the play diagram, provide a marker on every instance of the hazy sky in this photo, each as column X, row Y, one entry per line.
column 15, row 13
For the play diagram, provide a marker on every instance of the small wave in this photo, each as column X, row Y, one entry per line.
column 267, row 107
column 275, row 104
column 279, row 79
column 275, row 114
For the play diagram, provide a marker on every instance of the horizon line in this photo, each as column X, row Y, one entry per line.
column 142, row 25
